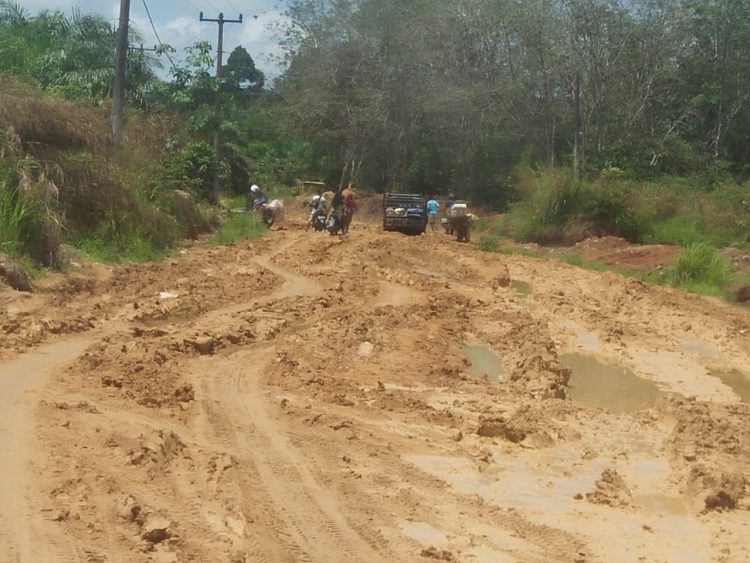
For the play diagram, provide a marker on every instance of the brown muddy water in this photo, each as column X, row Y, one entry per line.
column 739, row 382
column 610, row 387
column 522, row 287
column 483, row 361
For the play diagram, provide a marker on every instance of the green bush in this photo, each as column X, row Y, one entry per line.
column 189, row 168
column 611, row 210
column 489, row 244
column 699, row 268
column 144, row 235
column 552, row 199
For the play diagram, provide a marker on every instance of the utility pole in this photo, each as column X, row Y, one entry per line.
column 118, row 90
column 577, row 146
column 143, row 49
column 217, row 138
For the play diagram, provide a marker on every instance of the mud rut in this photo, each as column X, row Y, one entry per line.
column 306, row 398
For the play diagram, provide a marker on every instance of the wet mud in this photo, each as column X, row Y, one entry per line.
column 312, row 398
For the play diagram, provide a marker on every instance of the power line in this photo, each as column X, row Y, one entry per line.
column 186, row 42
column 212, row 5
column 232, row 6
column 148, row 13
column 193, row 5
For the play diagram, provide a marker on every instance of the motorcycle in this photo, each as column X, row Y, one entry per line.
column 335, row 223
column 270, row 212
column 319, row 220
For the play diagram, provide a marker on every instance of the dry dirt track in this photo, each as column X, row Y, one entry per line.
column 307, row 398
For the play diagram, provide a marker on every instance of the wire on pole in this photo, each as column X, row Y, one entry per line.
column 158, row 39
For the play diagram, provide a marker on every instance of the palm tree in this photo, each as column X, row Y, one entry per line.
column 72, row 54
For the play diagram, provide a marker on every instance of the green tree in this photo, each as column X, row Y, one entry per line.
column 240, row 75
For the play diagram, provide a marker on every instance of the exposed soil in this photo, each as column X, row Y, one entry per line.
column 306, row 398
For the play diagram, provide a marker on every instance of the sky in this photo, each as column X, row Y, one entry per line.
column 177, row 23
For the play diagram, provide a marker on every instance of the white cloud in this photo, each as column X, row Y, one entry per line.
column 261, row 29
column 184, row 26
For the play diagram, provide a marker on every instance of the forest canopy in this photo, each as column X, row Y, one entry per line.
column 441, row 94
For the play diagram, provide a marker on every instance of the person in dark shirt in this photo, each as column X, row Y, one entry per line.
column 350, row 206
column 449, row 202
column 336, row 212
column 256, row 197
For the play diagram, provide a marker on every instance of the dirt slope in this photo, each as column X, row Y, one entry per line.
column 307, row 398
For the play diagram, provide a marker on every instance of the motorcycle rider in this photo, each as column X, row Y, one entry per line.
column 256, row 197
column 317, row 205
column 337, row 208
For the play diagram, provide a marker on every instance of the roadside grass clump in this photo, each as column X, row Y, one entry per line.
column 14, row 212
column 551, row 200
column 489, row 244
column 28, row 223
column 595, row 265
column 690, row 212
column 71, row 185
column 700, row 269
column 239, row 226
column 556, row 209
column 121, row 236
column 612, row 210
column 497, row 226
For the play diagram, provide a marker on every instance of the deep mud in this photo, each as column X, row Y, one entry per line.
column 307, row 398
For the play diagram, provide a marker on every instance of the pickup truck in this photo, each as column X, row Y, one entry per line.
column 405, row 213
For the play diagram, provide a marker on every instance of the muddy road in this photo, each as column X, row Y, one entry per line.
column 370, row 398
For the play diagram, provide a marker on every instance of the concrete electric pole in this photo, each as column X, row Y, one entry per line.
column 118, row 89
column 217, row 138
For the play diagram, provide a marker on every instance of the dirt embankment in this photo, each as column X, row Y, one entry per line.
column 309, row 398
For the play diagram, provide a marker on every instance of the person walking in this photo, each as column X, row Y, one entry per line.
column 432, row 212
column 350, row 206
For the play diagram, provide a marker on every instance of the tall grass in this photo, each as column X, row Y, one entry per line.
column 700, row 269
column 26, row 226
column 14, row 211
column 62, row 181
column 557, row 209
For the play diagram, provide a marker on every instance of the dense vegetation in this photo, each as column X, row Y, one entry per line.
column 444, row 94
column 577, row 116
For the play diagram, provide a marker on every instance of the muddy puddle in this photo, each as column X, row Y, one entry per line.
column 661, row 504
column 483, row 361
column 423, row 532
column 737, row 381
column 522, row 287
column 610, row 387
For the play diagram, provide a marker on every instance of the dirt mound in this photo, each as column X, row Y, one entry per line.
column 618, row 252
column 710, row 444
column 610, row 490
column 530, row 424
column 12, row 274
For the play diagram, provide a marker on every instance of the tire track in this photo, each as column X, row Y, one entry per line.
column 304, row 508
column 30, row 537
